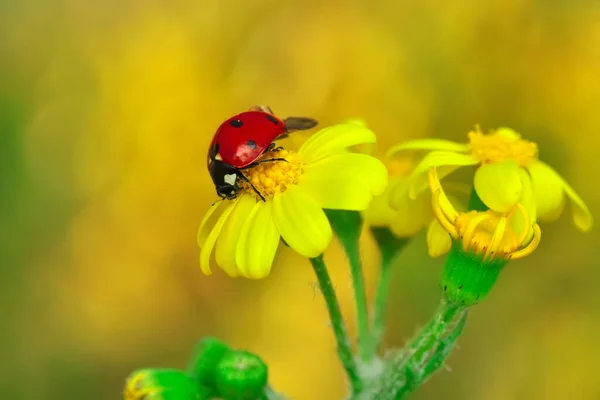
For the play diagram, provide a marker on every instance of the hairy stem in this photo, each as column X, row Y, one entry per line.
column 337, row 323
column 424, row 355
column 362, row 313
column 390, row 247
column 379, row 307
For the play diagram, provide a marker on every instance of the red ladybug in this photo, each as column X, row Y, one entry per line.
column 241, row 140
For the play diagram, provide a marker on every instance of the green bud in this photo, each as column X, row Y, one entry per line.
column 207, row 355
column 241, row 376
column 160, row 384
column 467, row 278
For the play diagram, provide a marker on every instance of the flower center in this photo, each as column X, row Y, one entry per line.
column 503, row 144
column 486, row 233
column 274, row 173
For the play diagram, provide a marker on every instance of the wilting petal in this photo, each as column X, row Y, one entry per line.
column 258, row 242
column 229, row 238
column 429, row 144
column 334, row 139
column 446, row 163
column 548, row 191
column 499, row 185
column 344, row 181
column 438, row 240
column 206, row 250
column 301, row 222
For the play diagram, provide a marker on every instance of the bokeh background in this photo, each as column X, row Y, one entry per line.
column 106, row 112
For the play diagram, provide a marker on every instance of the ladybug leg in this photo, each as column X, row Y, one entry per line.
column 243, row 177
column 257, row 163
column 272, row 147
column 263, row 108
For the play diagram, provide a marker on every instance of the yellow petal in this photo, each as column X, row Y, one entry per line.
column 206, row 250
column 258, row 243
column 334, row 139
column 446, row 163
column 379, row 212
column 438, row 240
column 344, row 181
column 301, row 222
column 548, row 191
column 411, row 215
column 582, row 217
column 519, row 223
column 205, row 229
column 230, row 235
column 499, row 185
column 429, row 144
column 507, row 133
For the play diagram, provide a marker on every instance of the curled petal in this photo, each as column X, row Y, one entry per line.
column 301, row 222
column 225, row 250
column 438, row 240
column 428, row 144
column 334, row 139
column 258, row 242
column 344, row 181
column 582, row 217
column 207, row 248
column 548, row 191
column 446, row 163
column 521, row 221
column 499, row 185
column 205, row 228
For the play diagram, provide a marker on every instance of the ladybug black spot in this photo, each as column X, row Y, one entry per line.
column 272, row 119
column 236, row 123
column 251, row 144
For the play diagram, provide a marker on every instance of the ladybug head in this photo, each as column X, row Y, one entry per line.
column 224, row 177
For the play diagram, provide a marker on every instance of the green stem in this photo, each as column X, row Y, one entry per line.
column 389, row 247
column 379, row 307
column 424, row 355
column 337, row 323
column 362, row 313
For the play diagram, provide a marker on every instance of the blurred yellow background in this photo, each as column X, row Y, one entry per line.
column 106, row 112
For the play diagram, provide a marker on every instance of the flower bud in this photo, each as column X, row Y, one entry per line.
column 241, row 375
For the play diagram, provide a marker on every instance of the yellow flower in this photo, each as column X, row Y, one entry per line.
column 487, row 234
column 322, row 174
column 500, row 157
column 405, row 216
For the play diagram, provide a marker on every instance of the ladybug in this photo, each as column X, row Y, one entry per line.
column 241, row 140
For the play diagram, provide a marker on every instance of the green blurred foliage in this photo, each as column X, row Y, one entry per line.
column 106, row 112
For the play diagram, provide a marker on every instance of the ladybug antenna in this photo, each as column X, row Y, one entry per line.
column 299, row 123
column 243, row 177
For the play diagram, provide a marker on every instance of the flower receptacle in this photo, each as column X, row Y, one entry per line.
column 467, row 277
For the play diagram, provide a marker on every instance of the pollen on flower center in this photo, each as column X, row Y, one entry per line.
column 503, row 144
column 274, row 173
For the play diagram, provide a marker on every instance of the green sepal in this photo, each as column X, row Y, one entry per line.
column 207, row 354
column 346, row 224
column 160, row 384
column 389, row 245
column 241, row 375
column 466, row 278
